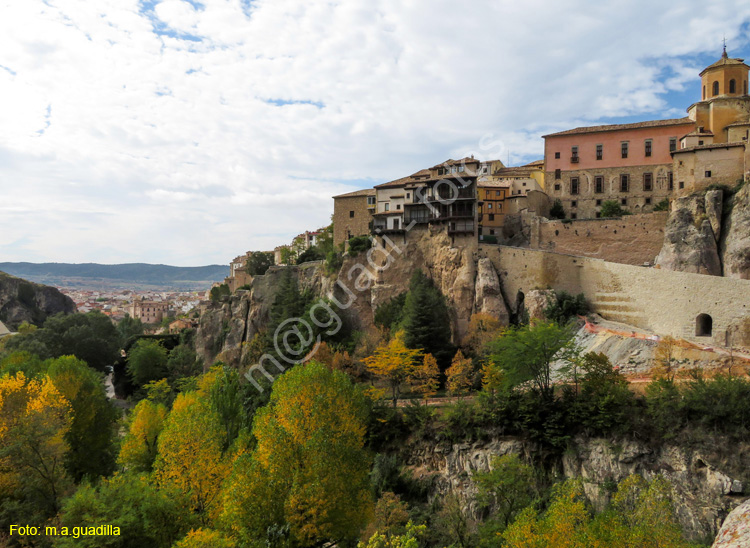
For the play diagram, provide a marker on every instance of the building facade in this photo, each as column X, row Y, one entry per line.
column 149, row 311
column 352, row 215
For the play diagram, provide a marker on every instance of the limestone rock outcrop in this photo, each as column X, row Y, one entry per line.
column 735, row 531
column 714, row 202
column 536, row 301
column 24, row 301
column 736, row 248
column 488, row 297
column 689, row 241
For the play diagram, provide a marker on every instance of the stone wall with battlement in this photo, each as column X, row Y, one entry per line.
column 662, row 301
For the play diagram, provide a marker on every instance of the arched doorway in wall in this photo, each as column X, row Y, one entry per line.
column 704, row 325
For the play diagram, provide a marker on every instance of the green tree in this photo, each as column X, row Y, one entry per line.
column 504, row 491
column 218, row 292
column 146, row 516
column 525, row 354
column 147, row 361
column 138, row 450
column 129, row 328
column 612, row 208
column 359, row 244
column 563, row 307
column 557, row 211
column 258, row 263
column 92, row 430
column 426, row 321
column 390, row 314
column 308, row 474
column 183, row 362
column 312, row 253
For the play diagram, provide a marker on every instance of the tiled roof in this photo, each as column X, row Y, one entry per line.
column 725, row 60
column 396, row 183
column 535, row 163
column 363, row 192
column 462, row 161
column 493, row 184
column 704, row 132
column 740, row 123
column 514, row 172
column 618, row 127
column 706, row 147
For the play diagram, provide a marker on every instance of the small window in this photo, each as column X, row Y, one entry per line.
column 670, row 181
column 708, row 174
column 461, row 168
column 557, row 186
column 558, row 174
column 573, row 215
column 351, row 214
column 574, row 185
column 624, row 183
column 672, row 144
column 408, row 195
column 704, row 93
column 624, row 149
column 700, row 143
column 648, row 201
column 648, row 147
column 716, row 89
column 598, row 184
column 624, row 201
column 492, row 216
column 524, row 184
column 557, row 155
column 574, row 203
column 598, row 202
column 732, row 86
column 489, row 206
column 387, row 206
column 398, row 206
column 599, row 152
column 497, row 193
column 371, row 200
column 648, row 182
column 682, row 184
column 492, row 231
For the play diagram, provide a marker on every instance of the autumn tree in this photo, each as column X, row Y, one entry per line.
column 411, row 539
column 205, row 538
column 395, row 363
column 425, row 378
column 34, row 421
column 308, row 475
column 665, row 358
column 460, row 375
column 391, row 515
column 139, row 446
column 482, row 329
column 190, row 457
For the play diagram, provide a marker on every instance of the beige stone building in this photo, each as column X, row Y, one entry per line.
column 149, row 311
column 352, row 214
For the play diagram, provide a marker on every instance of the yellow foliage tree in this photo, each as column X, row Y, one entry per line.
column 205, row 538
column 425, row 378
column 34, row 419
column 190, row 454
column 492, row 378
column 394, row 363
column 482, row 329
column 460, row 375
column 139, row 446
column 665, row 358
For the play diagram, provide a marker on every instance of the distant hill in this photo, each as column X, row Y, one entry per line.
column 118, row 275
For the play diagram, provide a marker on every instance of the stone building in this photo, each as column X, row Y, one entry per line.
column 352, row 214
column 149, row 311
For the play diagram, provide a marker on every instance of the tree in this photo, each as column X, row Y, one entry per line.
column 147, row 361
column 394, row 363
column 218, row 292
column 359, row 244
column 390, row 314
column 425, row 379
column 308, row 476
column 411, row 539
column 182, row 362
column 426, row 321
column 190, row 457
column 557, row 211
column 146, row 516
column 666, row 359
column 312, row 253
column 460, row 375
column 391, row 515
column 482, row 329
column 612, row 208
column 525, row 354
column 34, row 421
column 139, row 446
column 92, row 430
column 563, row 307
column 258, row 263
column 505, row 490
column 129, row 328
column 205, row 538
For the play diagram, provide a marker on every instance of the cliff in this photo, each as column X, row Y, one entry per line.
column 23, row 301
column 706, row 487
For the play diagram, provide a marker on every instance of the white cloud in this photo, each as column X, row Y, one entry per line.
column 125, row 139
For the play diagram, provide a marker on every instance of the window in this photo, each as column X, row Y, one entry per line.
column 648, row 147
column 732, row 86
column 489, row 206
column 497, row 193
column 573, row 215
column 625, row 149
column 370, row 200
column 574, row 203
column 708, row 174
column 598, row 184
column 574, row 185
column 557, row 186
column 624, row 183
column 351, row 214
column 492, row 216
column 670, row 181
column 700, row 143
column 461, row 168
column 648, row 201
column 558, row 174
column 398, row 206
column 574, row 154
column 672, row 144
column 716, row 89
column 492, row 231
column 599, row 152
column 682, row 184
column 499, row 207
column 624, row 201
column 648, row 181
column 598, row 202
column 387, row 206
column 557, row 155
column 442, row 171
column 408, row 195
column 704, row 93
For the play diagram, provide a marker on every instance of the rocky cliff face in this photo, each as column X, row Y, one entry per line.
column 703, row 493
column 23, row 301
column 690, row 243
column 736, row 242
column 735, row 532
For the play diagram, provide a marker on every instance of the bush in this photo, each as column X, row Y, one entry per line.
column 334, row 262
column 564, row 307
column 612, row 208
column 258, row 263
column 663, row 205
column 312, row 253
column 557, row 211
column 390, row 314
column 358, row 244
column 419, row 418
column 218, row 292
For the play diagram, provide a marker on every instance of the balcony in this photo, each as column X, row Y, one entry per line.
column 461, row 227
column 447, row 195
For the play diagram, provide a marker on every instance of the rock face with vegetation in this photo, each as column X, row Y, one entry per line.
column 690, row 243
column 735, row 532
column 23, row 301
column 736, row 242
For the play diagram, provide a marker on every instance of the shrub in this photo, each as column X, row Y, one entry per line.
column 390, row 314
column 564, row 307
column 334, row 262
column 663, row 205
column 612, row 208
column 557, row 211
column 218, row 292
column 312, row 253
column 258, row 263
column 358, row 244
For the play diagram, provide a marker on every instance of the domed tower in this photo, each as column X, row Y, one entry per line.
column 726, row 77
column 725, row 103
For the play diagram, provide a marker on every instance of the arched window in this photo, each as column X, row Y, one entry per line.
column 704, row 93
column 745, row 87
column 732, row 86
column 716, row 89
column 703, row 325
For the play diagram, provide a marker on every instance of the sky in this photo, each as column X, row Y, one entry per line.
column 186, row 133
